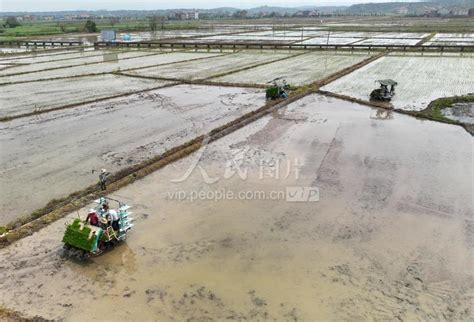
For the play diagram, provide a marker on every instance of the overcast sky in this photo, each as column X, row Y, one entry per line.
column 58, row 5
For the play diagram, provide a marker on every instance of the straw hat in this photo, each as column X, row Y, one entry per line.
column 103, row 220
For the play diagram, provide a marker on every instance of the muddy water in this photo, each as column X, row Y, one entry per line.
column 391, row 236
column 59, row 150
column 462, row 112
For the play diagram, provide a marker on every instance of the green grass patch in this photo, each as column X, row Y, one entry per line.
column 3, row 230
column 77, row 237
column 33, row 29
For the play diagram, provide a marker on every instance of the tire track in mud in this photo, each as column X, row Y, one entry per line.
column 398, row 298
column 43, row 111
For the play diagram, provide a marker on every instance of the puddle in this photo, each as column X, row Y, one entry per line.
column 462, row 112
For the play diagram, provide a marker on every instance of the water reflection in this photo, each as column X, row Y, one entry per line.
column 380, row 114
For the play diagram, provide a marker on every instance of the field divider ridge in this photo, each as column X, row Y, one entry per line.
column 426, row 39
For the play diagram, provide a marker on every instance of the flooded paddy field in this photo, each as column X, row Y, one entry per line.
column 403, row 35
column 353, row 34
column 391, row 236
column 112, row 134
column 215, row 66
column 449, row 43
column 240, row 39
column 384, row 241
column 389, row 41
column 440, row 35
column 48, row 57
column 172, row 34
column 93, row 57
column 26, row 50
column 111, row 65
column 300, row 70
column 286, row 33
column 315, row 37
column 51, row 94
column 175, row 34
column 5, row 66
column 421, row 78
column 453, row 39
column 323, row 36
column 329, row 41
column 250, row 37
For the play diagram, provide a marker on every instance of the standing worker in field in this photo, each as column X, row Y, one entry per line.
column 103, row 178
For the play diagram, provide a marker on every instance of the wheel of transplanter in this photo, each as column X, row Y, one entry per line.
column 85, row 255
